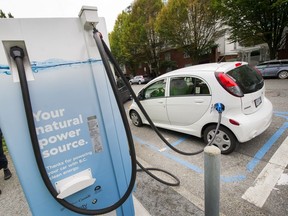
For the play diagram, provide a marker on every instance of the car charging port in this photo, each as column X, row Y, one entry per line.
column 219, row 107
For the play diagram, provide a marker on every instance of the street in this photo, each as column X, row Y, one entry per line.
column 240, row 171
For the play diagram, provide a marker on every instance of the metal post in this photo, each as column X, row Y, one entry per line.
column 212, row 180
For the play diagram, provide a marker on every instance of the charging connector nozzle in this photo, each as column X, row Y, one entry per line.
column 219, row 107
column 16, row 52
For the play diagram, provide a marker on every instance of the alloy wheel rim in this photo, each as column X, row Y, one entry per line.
column 221, row 140
column 283, row 74
column 135, row 119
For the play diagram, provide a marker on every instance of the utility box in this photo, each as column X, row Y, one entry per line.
column 80, row 132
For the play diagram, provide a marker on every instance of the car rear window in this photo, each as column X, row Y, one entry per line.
column 248, row 79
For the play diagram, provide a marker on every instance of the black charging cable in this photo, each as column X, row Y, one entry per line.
column 105, row 56
column 17, row 54
column 220, row 107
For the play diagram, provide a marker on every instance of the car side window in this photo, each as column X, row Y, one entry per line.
column 180, row 86
column 201, row 87
column 156, row 89
column 274, row 64
column 284, row 63
column 261, row 66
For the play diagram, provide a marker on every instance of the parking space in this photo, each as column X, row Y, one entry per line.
column 254, row 178
column 250, row 176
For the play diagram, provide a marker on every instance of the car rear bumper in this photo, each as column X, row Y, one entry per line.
column 253, row 124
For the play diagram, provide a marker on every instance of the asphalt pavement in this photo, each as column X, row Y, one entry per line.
column 156, row 199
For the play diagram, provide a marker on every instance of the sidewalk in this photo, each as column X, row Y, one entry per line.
column 13, row 201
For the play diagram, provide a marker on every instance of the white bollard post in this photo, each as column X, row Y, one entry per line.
column 212, row 180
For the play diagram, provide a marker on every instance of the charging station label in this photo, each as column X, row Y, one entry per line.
column 62, row 140
column 94, row 134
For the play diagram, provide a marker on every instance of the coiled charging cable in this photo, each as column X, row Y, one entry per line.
column 219, row 107
column 17, row 54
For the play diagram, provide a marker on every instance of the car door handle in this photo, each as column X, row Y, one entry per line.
column 160, row 102
column 199, row 101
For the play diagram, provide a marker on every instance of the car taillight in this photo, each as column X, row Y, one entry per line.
column 228, row 84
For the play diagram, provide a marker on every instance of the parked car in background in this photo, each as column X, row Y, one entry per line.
column 140, row 79
column 123, row 90
column 274, row 68
column 183, row 101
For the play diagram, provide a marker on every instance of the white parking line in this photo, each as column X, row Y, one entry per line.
column 269, row 176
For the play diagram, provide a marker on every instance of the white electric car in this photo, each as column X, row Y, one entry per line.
column 183, row 100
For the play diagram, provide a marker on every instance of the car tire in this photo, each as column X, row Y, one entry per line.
column 131, row 83
column 225, row 139
column 139, row 82
column 136, row 119
column 283, row 74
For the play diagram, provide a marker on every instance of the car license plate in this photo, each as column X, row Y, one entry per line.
column 258, row 101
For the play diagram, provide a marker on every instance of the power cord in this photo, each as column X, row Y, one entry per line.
column 218, row 106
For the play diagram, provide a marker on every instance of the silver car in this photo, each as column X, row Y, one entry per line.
column 140, row 79
column 274, row 68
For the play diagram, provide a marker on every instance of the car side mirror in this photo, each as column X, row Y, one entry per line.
column 141, row 95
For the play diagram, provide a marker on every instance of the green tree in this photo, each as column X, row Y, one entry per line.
column 3, row 15
column 134, row 39
column 143, row 20
column 252, row 22
column 191, row 25
column 123, row 51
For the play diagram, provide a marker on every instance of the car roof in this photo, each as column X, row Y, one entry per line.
column 208, row 67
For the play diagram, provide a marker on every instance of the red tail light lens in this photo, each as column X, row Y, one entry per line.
column 229, row 84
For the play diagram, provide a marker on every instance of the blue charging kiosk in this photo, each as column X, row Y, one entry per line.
column 80, row 132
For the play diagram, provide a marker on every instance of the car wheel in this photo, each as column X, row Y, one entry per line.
column 225, row 139
column 131, row 83
column 136, row 120
column 139, row 82
column 283, row 74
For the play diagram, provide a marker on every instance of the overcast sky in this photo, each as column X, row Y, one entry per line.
column 109, row 9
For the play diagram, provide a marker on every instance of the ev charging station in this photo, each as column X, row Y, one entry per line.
column 81, row 136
